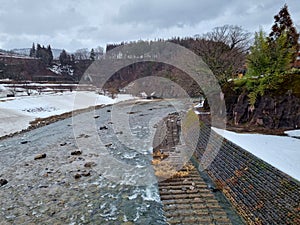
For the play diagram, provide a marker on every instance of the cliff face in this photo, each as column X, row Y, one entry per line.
column 270, row 111
column 277, row 110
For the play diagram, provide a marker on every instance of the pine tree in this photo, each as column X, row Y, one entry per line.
column 92, row 54
column 49, row 50
column 44, row 54
column 64, row 58
column 38, row 50
column 32, row 51
column 284, row 25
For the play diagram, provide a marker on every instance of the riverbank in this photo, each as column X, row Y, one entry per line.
column 27, row 112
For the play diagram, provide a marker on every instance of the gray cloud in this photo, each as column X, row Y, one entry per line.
column 74, row 24
column 169, row 13
column 38, row 17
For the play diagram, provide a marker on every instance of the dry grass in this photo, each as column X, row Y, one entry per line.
column 164, row 170
column 159, row 156
column 167, row 170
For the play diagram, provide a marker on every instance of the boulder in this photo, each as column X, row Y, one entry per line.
column 40, row 156
column 3, row 182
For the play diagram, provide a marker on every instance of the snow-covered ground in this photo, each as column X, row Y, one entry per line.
column 282, row 152
column 16, row 113
column 293, row 133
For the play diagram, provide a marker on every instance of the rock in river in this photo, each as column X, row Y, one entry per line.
column 76, row 152
column 40, row 156
column 3, row 182
column 89, row 164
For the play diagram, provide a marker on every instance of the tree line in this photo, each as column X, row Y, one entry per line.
column 46, row 56
column 224, row 49
column 42, row 52
column 80, row 54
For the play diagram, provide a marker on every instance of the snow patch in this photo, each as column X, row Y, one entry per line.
column 17, row 113
column 280, row 151
column 293, row 133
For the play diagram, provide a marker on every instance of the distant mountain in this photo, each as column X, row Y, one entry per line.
column 2, row 51
column 56, row 52
column 5, row 53
column 22, row 51
column 26, row 51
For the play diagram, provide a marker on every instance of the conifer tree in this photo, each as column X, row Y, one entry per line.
column 64, row 58
column 283, row 25
column 32, row 51
column 38, row 50
column 259, row 60
column 49, row 50
column 92, row 54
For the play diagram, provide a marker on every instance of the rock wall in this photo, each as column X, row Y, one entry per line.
column 269, row 111
column 261, row 193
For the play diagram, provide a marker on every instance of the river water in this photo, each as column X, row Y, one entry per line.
column 110, row 182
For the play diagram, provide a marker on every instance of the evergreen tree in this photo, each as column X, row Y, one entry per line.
column 267, row 58
column 38, row 50
column 281, row 54
column 72, row 58
column 258, row 61
column 32, row 51
column 267, row 62
column 49, row 50
column 92, row 54
column 64, row 58
column 284, row 25
column 45, row 54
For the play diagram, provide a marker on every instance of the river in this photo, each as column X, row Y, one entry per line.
column 97, row 168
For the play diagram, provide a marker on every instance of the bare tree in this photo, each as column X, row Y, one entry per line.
column 233, row 36
column 82, row 54
column 224, row 50
column 98, row 52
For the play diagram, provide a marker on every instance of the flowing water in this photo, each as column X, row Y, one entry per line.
column 110, row 182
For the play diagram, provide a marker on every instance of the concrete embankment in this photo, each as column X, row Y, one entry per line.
column 188, row 196
column 261, row 193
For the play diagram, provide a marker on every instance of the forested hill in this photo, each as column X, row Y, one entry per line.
column 224, row 50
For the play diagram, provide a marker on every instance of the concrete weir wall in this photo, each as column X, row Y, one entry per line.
column 260, row 193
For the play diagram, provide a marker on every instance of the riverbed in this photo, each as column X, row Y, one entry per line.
column 93, row 168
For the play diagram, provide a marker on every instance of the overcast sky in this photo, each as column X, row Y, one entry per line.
column 74, row 24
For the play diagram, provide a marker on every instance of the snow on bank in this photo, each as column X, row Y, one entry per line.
column 293, row 133
column 280, row 151
column 17, row 113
